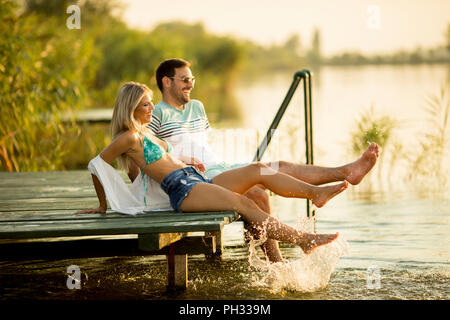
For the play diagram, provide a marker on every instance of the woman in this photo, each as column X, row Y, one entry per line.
column 188, row 189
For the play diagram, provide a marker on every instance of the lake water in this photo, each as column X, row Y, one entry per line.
column 394, row 232
column 396, row 228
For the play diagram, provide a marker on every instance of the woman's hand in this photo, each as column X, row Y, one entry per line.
column 97, row 210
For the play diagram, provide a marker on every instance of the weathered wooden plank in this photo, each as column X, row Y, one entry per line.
column 113, row 224
column 124, row 225
column 81, row 228
column 59, row 178
column 50, row 178
column 170, row 215
column 10, row 195
column 31, row 214
column 43, row 225
column 74, row 204
column 37, row 205
column 157, row 241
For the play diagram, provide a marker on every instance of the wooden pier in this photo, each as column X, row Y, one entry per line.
column 38, row 221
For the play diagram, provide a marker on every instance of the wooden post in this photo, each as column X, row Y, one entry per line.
column 217, row 235
column 157, row 241
column 177, row 269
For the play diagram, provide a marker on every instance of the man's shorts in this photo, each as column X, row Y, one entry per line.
column 216, row 169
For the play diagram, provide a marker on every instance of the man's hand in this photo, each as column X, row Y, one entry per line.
column 193, row 162
column 199, row 165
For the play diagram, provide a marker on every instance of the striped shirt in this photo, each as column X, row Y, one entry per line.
column 186, row 130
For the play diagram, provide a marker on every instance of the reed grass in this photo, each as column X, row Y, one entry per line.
column 427, row 163
column 41, row 79
column 371, row 127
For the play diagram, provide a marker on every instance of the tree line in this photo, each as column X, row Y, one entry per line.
column 48, row 72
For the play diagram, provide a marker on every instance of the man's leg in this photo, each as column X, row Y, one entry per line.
column 353, row 172
column 261, row 198
column 212, row 197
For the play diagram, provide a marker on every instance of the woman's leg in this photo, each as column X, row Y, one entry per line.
column 241, row 179
column 210, row 197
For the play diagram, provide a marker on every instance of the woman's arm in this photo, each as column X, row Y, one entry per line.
column 100, row 195
column 119, row 146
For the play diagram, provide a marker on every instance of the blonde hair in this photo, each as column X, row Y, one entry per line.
column 128, row 98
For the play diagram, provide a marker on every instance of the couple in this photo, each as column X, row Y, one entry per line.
column 194, row 185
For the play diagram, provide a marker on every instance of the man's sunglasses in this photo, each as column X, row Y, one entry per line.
column 185, row 79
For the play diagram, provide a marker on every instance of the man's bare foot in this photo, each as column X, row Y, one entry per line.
column 358, row 169
column 323, row 194
column 311, row 241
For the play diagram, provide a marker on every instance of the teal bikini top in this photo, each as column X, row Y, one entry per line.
column 153, row 151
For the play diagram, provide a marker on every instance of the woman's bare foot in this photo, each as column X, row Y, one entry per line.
column 323, row 194
column 311, row 241
column 358, row 169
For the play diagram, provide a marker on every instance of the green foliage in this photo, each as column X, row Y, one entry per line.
column 48, row 72
column 92, row 138
column 128, row 54
column 47, row 7
column 259, row 59
column 315, row 54
column 371, row 128
column 439, row 54
column 42, row 76
column 427, row 162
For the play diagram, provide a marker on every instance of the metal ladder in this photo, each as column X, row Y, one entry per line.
column 304, row 75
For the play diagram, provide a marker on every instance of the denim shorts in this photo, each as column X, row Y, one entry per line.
column 179, row 183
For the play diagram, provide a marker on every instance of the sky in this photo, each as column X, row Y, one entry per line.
column 368, row 26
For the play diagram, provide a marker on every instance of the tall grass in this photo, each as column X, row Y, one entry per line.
column 41, row 79
column 427, row 163
column 421, row 167
column 372, row 126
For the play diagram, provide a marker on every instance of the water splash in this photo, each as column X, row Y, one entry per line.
column 306, row 273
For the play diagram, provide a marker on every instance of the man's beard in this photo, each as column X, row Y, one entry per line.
column 182, row 99
column 185, row 99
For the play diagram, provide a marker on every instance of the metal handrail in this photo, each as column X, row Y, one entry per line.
column 298, row 76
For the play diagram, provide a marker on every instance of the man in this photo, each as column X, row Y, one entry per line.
column 183, row 122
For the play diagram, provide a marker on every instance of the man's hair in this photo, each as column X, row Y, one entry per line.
column 167, row 69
